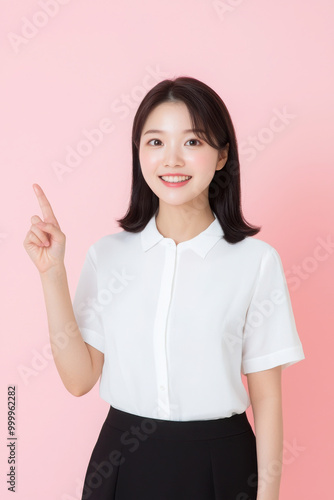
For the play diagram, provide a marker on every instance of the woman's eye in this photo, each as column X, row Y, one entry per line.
column 154, row 140
column 196, row 140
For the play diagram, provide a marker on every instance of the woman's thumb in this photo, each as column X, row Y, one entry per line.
column 50, row 228
column 34, row 219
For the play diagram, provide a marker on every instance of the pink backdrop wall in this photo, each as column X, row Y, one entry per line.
column 70, row 67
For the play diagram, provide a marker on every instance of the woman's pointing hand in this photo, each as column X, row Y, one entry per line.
column 45, row 242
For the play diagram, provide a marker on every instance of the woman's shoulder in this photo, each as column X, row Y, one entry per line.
column 254, row 245
column 112, row 241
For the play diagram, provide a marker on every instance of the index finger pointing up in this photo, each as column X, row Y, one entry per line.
column 47, row 211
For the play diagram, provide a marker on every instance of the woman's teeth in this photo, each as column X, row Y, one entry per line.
column 176, row 178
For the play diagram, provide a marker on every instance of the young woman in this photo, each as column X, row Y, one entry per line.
column 171, row 311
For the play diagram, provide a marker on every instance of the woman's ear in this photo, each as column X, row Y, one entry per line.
column 223, row 156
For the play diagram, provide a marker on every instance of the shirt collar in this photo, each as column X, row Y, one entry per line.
column 201, row 244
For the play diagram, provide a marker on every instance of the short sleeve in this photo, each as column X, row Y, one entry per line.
column 270, row 337
column 86, row 295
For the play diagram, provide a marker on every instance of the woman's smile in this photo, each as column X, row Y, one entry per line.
column 175, row 180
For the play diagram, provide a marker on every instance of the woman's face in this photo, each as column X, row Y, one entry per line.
column 174, row 149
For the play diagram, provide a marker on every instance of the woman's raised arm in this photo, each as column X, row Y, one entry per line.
column 78, row 365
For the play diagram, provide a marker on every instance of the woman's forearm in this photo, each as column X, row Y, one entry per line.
column 69, row 350
column 268, row 423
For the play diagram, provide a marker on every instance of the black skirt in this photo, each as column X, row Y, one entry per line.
column 139, row 458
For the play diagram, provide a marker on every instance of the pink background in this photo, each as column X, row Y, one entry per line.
column 91, row 61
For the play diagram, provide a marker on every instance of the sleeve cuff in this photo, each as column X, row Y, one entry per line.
column 92, row 338
column 286, row 357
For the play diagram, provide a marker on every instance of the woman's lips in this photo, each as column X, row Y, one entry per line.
column 175, row 184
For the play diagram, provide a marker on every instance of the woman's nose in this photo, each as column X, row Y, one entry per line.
column 173, row 156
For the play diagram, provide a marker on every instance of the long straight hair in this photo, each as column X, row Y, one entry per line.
column 209, row 113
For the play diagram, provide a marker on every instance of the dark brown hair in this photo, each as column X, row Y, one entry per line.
column 209, row 113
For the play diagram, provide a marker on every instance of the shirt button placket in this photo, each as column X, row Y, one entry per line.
column 160, row 331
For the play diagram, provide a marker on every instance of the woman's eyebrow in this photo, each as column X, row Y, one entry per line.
column 156, row 131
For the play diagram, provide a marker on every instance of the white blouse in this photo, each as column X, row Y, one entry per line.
column 178, row 324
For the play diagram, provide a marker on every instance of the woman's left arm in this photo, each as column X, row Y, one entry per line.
column 266, row 399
